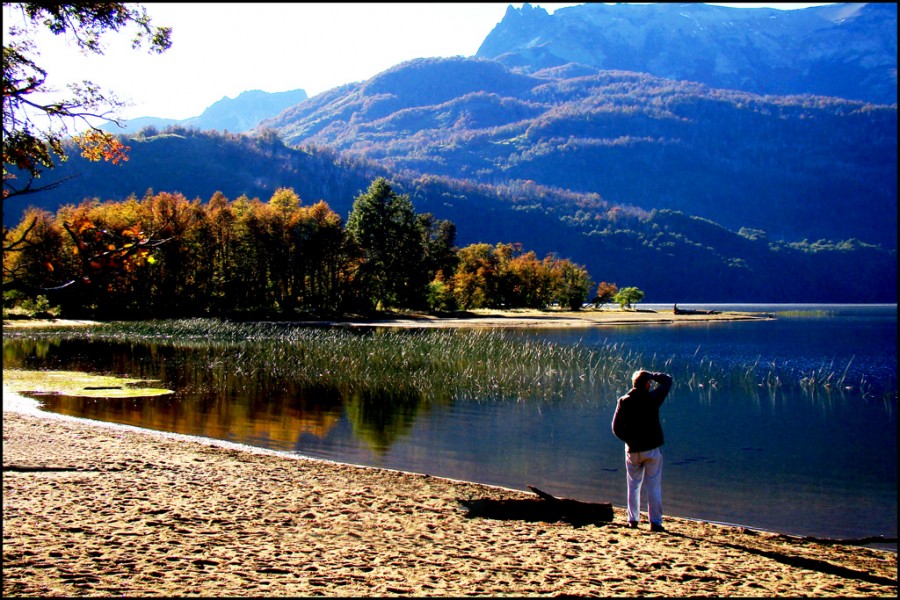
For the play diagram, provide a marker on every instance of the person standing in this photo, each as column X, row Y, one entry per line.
column 636, row 422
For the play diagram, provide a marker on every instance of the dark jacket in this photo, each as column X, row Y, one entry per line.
column 636, row 421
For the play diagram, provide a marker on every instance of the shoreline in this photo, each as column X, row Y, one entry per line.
column 481, row 318
column 100, row 509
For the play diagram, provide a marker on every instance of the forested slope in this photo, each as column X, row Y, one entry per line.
column 797, row 167
column 671, row 255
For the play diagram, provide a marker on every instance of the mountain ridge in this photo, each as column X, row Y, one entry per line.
column 239, row 114
column 842, row 50
column 633, row 138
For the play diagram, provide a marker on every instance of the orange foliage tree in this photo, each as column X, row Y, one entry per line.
column 503, row 276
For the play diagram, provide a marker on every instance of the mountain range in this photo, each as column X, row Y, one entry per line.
column 844, row 50
column 690, row 191
column 236, row 115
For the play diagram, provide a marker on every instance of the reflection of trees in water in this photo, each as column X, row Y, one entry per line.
column 20, row 348
column 258, row 400
column 279, row 419
column 381, row 417
column 251, row 406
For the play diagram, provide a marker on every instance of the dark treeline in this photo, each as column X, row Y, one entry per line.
column 166, row 256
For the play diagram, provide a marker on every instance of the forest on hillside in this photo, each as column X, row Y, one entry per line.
column 794, row 166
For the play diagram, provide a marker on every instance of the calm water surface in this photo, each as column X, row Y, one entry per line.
column 802, row 460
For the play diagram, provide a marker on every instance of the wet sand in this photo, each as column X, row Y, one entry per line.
column 93, row 509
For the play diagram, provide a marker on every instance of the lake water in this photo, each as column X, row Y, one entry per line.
column 801, row 459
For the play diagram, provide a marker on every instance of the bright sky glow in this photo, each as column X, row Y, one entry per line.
column 224, row 49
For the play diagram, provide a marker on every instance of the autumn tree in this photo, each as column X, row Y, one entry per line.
column 248, row 281
column 36, row 119
column 216, row 251
column 440, row 296
column 178, row 269
column 525, row 280
column 505, row 276
column 474, row 283
column 570, row 283
column 32, row 260
column 604, row 294
column 322, row 251
column 306, row 253
column 285, row 270
column 94, row 257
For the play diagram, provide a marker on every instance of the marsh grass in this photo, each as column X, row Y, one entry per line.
column 439, row 364
column 805, row 313
column 446, row 364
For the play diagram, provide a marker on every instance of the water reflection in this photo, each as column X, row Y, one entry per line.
column 277, row 423
column 215, row 400
column 380, row 417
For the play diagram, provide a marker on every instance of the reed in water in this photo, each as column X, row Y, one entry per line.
column 447, row 363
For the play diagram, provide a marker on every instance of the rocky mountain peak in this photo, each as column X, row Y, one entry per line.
column 843, row 50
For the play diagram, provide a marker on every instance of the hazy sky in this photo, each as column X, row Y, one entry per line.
column 224, row 49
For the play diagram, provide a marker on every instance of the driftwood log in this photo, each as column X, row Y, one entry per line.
column 683, row 311
column 545, row 508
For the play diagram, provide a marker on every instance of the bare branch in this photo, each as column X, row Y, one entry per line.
column 10, row 192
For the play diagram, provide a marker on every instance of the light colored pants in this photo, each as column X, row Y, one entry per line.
column 645, row 468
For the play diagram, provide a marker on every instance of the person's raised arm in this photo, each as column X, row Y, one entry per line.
column 664, row 384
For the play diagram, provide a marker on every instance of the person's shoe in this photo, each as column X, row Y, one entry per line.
column 632, row 525
column 657, row 527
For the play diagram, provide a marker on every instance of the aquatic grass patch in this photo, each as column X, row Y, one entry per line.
column 805, row 313
column 711, row 376
column 441, row 365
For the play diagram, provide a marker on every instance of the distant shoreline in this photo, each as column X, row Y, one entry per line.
column 482, row 318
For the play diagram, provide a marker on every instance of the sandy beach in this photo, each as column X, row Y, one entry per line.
column 94, row 509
